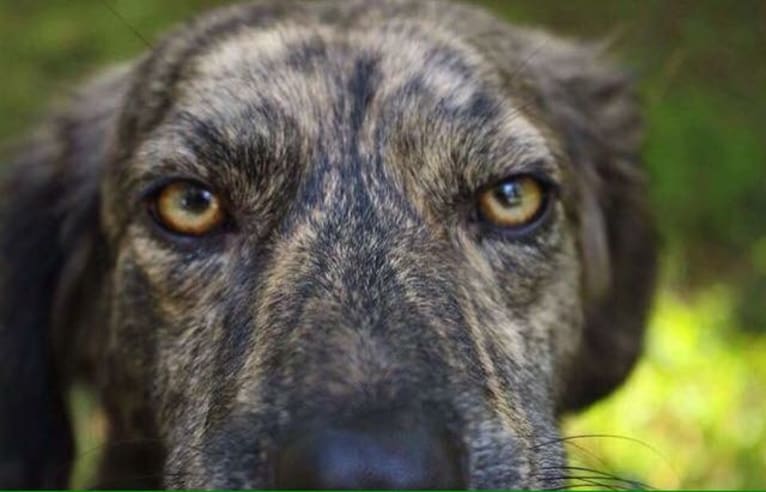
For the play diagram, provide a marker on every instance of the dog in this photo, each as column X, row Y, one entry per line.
column 331, row 244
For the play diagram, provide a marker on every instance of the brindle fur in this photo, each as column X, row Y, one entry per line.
column 348, row 140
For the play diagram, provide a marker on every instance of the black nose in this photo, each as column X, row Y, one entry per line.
column 379, row 451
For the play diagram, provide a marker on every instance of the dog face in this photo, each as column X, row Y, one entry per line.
column 347, row 245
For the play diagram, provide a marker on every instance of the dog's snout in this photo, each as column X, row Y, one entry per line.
column 372, row 453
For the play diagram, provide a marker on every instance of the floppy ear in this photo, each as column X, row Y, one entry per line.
column 595, row 108
column 49, row 237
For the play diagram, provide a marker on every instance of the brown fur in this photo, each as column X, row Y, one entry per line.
column 348, row 140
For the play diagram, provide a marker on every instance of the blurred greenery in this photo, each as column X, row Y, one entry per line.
column 693, row 413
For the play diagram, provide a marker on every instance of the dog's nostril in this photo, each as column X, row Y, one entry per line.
column 371, row 454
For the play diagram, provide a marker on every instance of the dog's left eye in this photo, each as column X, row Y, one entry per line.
column 514, row 203
column 187, row 208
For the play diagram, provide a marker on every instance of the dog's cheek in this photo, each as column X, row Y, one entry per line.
column 557, row 318
column 161, row 324
column 130, row 351
column 179, row 280
column 526, row 301
column 535, row 295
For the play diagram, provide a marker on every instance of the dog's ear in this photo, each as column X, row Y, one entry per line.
column 49, row 242
column 594, row 109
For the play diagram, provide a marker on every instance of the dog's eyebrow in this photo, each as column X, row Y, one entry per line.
column 507, row 147
column 489, row 172
column 206, row 146
column 244, row 134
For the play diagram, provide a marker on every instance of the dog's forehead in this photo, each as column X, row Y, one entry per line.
column 398, row 80
column 308, row 65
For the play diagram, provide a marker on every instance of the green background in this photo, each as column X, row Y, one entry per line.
column 693, row 414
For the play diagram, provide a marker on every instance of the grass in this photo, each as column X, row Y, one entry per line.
column 695, row 403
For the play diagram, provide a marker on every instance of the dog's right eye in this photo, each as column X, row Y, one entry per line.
column 187, row 208
column 514, row 203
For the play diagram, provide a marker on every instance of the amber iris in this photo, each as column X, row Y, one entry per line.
column 188, row 208
column 513, row 203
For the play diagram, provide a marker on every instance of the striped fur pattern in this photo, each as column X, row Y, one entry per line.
column 348, row 140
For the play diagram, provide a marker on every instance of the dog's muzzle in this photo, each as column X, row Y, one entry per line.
column 378, row 450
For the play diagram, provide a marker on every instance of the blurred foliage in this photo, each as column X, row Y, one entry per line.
column 694, row 408
column 697, row 401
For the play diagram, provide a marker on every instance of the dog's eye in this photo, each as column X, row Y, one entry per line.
column 187, row 208
column 513, row 203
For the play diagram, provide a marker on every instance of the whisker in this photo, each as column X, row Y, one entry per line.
column 130, row 26
column 645, row 445
column 591, row 454
column 598, row 436
column 604, row 475
column 613, row 482
column 590, row 484
column 522, row 66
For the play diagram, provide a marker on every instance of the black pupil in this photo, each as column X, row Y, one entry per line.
column 509, row 194
column 196, row 200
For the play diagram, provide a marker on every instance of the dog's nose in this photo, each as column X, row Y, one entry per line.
column 372, row 453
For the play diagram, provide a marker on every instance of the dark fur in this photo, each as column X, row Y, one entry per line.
column 349, row 147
